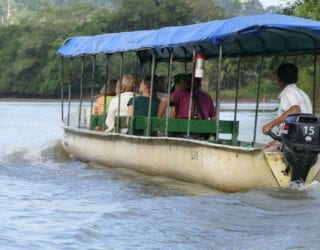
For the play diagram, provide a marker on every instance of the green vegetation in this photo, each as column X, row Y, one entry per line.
column 31, row 31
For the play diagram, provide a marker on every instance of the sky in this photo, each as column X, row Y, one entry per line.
column 267, row 3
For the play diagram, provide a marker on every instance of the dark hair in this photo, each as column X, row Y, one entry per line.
column 162, row 84
column 179, row 77
column 147, row 81
column 111, row 87
column 197, row 82
column 288, row 73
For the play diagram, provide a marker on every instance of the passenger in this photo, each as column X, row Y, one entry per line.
column 292, row 99
column 128, row 83
column 108, row 89
column 202, row 104
column 180, row 83
column 140, row 107
column 162, row 86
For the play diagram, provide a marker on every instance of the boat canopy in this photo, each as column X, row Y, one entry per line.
column 268, row 34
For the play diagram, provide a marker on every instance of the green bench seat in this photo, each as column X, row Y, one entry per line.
column 97, row 120
column 181, row 126
column 174, row 126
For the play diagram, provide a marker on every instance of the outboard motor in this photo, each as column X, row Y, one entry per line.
column 300, row 136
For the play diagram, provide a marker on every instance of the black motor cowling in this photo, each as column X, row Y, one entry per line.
column 300, row 136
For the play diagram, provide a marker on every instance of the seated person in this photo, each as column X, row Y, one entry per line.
column 180, row 83
column 162, row 87
column 127, row 86
column 293, row 100
column 202, row 105
column 108, row 91
column 140, row 106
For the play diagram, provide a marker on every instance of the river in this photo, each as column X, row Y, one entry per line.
column 51, row 201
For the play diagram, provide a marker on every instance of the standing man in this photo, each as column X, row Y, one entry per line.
column 292, row 99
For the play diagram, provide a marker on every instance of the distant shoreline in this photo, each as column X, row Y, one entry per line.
column 17, row 99
column 23, row 99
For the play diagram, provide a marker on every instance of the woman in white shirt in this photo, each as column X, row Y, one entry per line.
column 128, row 83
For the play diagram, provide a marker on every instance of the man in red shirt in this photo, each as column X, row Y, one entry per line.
column 202, row 105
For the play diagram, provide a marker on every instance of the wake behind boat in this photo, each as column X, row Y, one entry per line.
column 227, row 164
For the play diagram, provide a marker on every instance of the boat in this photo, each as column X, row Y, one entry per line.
column 226, row 164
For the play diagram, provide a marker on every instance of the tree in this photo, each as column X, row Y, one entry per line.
column 304, row 8
column 206, row 10
column 148, row 14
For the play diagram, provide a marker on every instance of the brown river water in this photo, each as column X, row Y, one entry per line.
column 51, row 201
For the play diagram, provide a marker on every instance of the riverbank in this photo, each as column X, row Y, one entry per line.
column 223, row 100
column 17, row 99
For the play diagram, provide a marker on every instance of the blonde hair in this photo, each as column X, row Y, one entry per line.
column 128, row 82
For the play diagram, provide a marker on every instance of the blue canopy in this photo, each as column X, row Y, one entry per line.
column 244, row 35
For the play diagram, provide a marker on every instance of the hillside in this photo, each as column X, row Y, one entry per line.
column 11, row 10
column 35, row 29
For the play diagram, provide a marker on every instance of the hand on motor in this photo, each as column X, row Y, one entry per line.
column 266, row 128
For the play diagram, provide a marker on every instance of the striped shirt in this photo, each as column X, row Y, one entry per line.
column 291, row 95
column 99, row 107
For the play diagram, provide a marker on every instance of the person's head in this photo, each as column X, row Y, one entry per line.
column 145, row 87
column 287, row 73
column 111, row 87
column 162, row 84
column 128, row 82
column 180, row 82
column 196, row 83
column 103, row 90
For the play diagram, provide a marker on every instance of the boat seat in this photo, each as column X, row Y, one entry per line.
column 97, row 120
column 181, row 126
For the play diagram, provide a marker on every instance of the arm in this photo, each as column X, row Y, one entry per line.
column 130, row 112
column 292, row 110
column 163, row 106
column 212, row 111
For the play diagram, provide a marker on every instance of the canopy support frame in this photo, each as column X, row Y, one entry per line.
column 119, row 95
column 81, row 89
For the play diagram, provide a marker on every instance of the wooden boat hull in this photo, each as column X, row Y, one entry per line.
column 223, row 167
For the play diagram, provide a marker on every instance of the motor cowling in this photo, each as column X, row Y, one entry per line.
column 300, row 135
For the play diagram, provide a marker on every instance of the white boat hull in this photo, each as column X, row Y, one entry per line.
column 223, row 167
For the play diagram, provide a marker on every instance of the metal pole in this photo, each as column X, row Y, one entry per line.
column 81, row 87
column 191, row 90
column 134, row 93
column 233, row 139
column 237, row 90
column 119, row 97
column 69, row 90
column 185, row 62
column 92, row 82
column 218, row 93
column 61, row 88
column 314, row 97
column 153, row 67
column 106, row 85
column 257, row 101
column 168, row 90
